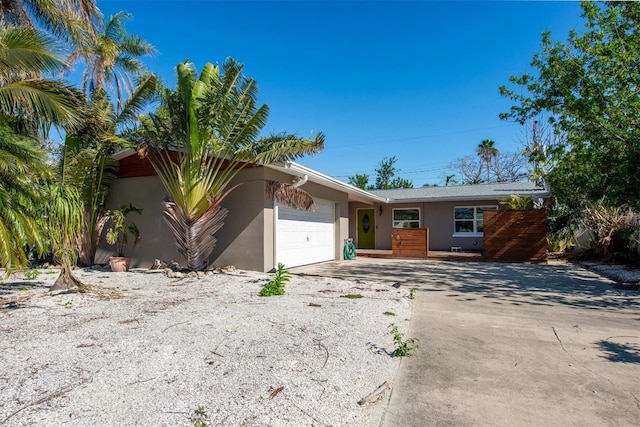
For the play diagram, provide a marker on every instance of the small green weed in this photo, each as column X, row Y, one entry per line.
column 68, row 304
column 389, row 313
column 276, row 285
column 412, row 293
column 352, row 296
column 403, row 347
column 31, row 274
column 199, row 416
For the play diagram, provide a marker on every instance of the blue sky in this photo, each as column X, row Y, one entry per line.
column 414, row 79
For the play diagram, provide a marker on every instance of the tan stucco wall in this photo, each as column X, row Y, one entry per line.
column 157, row 241
column 437, row 217
column 240, row 241
column 247, row 238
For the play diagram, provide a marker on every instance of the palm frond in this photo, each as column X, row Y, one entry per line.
column 52, row 101
column 283, row 147
column 290, row 195
column 143, row 94
column 25, row 53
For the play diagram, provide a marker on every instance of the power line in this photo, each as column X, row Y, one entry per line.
column 412, row 138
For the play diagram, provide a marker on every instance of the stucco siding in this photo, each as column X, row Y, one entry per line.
column 436, row 216
column 240, row 241
column 439, row 219
column 157, row 241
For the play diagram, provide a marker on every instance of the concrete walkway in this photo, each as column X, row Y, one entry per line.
column 510, row 344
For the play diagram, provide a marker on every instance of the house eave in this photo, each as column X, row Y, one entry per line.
column 463, row 198
column 354, row 193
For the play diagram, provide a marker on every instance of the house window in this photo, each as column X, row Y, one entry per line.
column 406, row 218
column 469, row 220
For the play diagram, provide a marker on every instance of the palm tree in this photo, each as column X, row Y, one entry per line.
column 204, row 133
column 26, row 56
column 69, row 20
column 22, row 169
column 450, row 179
column 112, row 57
column 487, row 152
column 29, row 104
column 87, row 158
column 63, row 222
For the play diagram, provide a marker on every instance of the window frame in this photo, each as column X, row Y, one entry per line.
column 419, row 220
column 475, row 232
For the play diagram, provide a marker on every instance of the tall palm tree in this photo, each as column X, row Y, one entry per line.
column 28, row 104
column 204, row 133
column 87, row 162
column 450, row 179
column 487, row 152
column 112, row 57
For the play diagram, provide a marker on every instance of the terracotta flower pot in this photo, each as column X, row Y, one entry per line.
column 119, row 263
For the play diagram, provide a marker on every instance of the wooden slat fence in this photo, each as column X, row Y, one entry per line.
column 515, row 235
column 410, row 242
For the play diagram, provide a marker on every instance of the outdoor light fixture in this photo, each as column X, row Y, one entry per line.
column 380, row 210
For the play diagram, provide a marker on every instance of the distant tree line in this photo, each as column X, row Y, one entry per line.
column 386, row 177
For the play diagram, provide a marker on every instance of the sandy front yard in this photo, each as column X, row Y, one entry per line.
column 143, row 349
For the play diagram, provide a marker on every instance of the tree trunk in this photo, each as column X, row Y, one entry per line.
column 87, row 242
column 66, row 280
column 195, row 239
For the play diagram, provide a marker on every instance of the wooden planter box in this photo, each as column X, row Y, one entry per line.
column 410, row 242
column 515, row 235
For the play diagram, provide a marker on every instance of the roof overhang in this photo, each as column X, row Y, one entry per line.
column 465, row 198
column 354, row 193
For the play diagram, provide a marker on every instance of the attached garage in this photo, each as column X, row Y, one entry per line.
column 305, row 237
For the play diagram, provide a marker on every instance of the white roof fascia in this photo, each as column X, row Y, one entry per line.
column 123, row 153
column 354, row 192
column 460, row 198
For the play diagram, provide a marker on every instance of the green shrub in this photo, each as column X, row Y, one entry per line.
column 31, row 274
column 199, row 416
column 403, row 347
column 276, row 285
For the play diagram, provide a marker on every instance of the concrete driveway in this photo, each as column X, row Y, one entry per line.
column 510, row 344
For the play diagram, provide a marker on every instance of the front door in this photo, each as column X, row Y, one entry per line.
column 366, row 229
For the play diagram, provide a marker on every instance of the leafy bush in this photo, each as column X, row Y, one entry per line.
column 31, row 274
column 403, row 347
column 276, row 285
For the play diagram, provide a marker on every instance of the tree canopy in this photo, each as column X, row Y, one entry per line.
column 588, row 87
column 489, row 165
column 386, row 177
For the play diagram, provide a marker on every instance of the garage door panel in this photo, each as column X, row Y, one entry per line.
column 305, row 237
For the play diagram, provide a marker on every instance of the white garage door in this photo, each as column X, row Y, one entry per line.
column 304, row 237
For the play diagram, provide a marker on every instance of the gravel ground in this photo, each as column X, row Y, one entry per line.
column 142, row 349
column 619, row 273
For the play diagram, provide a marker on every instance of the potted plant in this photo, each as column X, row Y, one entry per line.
column 118, row 233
